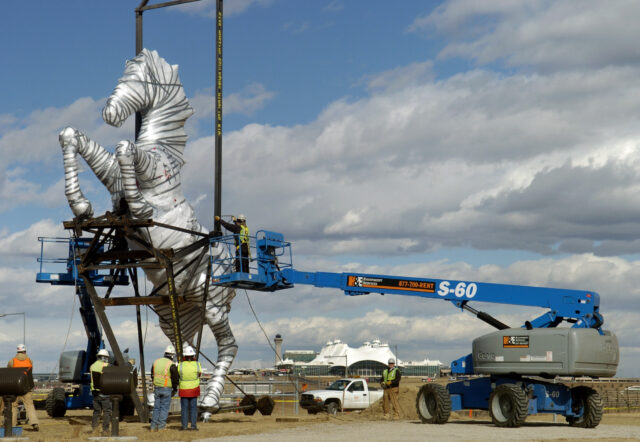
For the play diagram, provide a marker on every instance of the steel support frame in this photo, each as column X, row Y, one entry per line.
column 109, row 228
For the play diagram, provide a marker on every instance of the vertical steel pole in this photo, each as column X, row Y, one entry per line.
column 139, row 12
column 218, row 152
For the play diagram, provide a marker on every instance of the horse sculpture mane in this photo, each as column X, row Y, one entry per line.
column 144, row 181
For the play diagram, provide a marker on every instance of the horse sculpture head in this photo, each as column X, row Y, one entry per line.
column 151, row 86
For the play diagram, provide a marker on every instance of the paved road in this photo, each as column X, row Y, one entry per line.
column 409, row 431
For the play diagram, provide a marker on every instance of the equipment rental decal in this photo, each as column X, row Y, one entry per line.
column 391, row 283
column 515, row 341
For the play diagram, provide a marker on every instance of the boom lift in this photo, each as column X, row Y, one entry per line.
column 74, row 365
column 517, row 365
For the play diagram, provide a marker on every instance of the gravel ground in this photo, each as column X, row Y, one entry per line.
column 413, row 430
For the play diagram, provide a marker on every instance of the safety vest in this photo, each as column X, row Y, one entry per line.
column 97, row 366
column 22, row 363
column 162, row 373
column 389, row 376
column 243, row 235
column 189, row 374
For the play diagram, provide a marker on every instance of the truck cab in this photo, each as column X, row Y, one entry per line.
column 343, row 394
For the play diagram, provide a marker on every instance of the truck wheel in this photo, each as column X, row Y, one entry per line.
column 508, row 406
column 56, row 404
column 332, row 408
column 433, row 404
column 590, row 402
column 312, row 411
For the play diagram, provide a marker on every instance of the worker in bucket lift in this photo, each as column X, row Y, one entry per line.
column 101, row 402
column 165, row 382
column 190, row 371
column 21, row 360
column 241, row 231
column 391, row 385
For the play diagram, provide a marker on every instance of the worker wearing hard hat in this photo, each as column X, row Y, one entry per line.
column 21, row 360
column 241, row 231
column 101, row 402
column 391, row 386
column 165, row 382
column 190, row 371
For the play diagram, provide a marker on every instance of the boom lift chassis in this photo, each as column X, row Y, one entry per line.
column 518, row 366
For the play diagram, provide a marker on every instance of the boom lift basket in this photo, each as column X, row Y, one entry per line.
column 269, row 254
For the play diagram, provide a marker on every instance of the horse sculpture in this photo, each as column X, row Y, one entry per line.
column 144, row 182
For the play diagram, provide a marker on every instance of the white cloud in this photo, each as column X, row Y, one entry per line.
column 24, row 243
column 480, row 159
column 548, row 35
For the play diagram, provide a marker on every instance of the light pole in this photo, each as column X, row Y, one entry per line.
column 24, row 323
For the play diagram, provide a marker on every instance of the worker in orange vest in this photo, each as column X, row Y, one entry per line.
column 22, row 360
column 165, row 384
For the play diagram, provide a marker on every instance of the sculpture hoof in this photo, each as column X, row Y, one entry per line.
column 82, row 208
column 67, row 138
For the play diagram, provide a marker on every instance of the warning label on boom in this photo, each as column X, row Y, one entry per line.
column 391, row 283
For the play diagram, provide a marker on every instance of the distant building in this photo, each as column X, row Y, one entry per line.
column 368, row 360
column 300, row 355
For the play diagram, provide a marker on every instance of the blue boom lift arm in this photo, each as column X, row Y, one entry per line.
column 272, row 270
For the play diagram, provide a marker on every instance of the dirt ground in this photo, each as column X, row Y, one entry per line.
column 368, row 425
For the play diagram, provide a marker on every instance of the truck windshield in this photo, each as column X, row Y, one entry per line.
column 339, row 385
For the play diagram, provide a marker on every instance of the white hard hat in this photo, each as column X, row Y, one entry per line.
column 21, row 348
column 241, row 217
column 392, row 361
column 103, row 352
column 189, row 351
column 170, row 350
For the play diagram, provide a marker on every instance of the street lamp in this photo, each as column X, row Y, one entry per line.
column 24, row 323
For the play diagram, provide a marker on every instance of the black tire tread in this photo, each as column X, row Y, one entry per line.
column 520, row 402
column 56, row 403
column 442, row 403
column 593, row 407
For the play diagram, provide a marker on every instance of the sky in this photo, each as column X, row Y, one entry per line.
column 493, row 141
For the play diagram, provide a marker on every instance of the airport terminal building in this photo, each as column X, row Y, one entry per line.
column 368, row 360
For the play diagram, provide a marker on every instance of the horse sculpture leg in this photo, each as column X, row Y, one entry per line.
column 102, row 163
column 227, row 350
column 128, row 158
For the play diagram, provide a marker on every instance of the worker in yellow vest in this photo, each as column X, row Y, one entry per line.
column 101, row 402
column 391, row 386
column 21, row 360
column 240, row 229
column 165, row 383
column 190, row 371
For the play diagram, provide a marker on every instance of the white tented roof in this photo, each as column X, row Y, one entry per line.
column 337, row 353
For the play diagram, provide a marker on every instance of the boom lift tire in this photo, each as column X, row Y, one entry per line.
column 433, row 404
column 56, row 404
column 332, row 408
column 508, row 406
column 591, row 403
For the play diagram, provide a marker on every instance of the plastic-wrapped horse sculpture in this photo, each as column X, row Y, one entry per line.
column 146, row 176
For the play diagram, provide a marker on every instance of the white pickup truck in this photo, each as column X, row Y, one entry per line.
column 343, row 394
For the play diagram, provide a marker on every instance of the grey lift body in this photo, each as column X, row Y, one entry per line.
column 547, row 352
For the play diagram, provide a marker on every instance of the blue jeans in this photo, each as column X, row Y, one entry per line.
column 161, row 404
column 189, row 411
